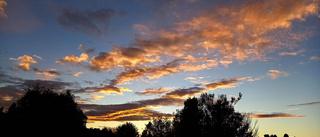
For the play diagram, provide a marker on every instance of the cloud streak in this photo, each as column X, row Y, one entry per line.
column 224, row 83
column 304, row 104
column 275, row 115
column 274, row 74
column 151, row 91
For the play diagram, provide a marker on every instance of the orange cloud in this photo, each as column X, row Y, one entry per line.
column 24, row 62
column 275, row 115
column 314, row 58
column 153, row 91
column 2, row 4
column 224, row 83
column 73, row 59
column 120, row 57
column 48, row 74
column 185, row 64
column 77, row 74
column 291, row 53
column 274, row 74
column 107, row 89
column 132, row 111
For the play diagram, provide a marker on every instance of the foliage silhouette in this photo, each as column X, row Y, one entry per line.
column 159, row 127
column 206, row 117
column 42, row 111
column 127, row 130
column 286, row 135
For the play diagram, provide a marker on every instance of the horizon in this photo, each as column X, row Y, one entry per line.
column 131, row 61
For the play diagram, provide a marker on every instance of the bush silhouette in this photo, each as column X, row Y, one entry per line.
column 127, row 130
column 207, row 117
column 159, row 127
column 42, row 112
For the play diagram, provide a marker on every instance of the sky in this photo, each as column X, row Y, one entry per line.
column 133, row 60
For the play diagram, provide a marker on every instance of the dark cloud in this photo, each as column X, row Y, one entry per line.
column 46, row 73
column 275, row 115
column 93, row 23
column 9, row 79
column 55, row 85
column 9, row 94
column 162, row 102
column 13, row 88
column 303, row 104
column 185, row 92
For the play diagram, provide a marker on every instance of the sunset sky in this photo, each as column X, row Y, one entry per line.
column 132, row 60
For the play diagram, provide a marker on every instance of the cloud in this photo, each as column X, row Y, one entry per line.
column 185, row 92
column 233, row 33
column 7, row 79
column 24, row 62
column 303, row 104
column 92, row 23
column 120, row 57
column 274, row 74
column 291, row 53
column 131, row 111
column 2, row 4
column 14, row 87
column 87, row 51
column 107, row 89
column 77, row 74
column 47, row 73
column 185, row 64
column 142, row 29
column 224, row 83
column 275, row 115
column 9, row 94
column 73, row 59
column 153, row 91
column 37, row 57
column 316, row 58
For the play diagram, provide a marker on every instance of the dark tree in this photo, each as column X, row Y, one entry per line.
column 285, row 135
column 210, row 117
column 266, row 135
column 159, row 127
column 44, row 112
column 189, row 120
column 127, row 130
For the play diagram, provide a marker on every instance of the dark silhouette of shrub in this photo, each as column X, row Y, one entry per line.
column 159, row 127
column 127, row 130
column 210, row 117
column 42, row 112
column 286, row 135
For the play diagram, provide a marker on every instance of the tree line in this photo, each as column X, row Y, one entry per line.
column 43, row 112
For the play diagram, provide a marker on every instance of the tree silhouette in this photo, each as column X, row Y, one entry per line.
column 44, row 112
column 206, row 117
column 188, row 121
column 159, row 127
column 286, row 135
column 127, row 130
